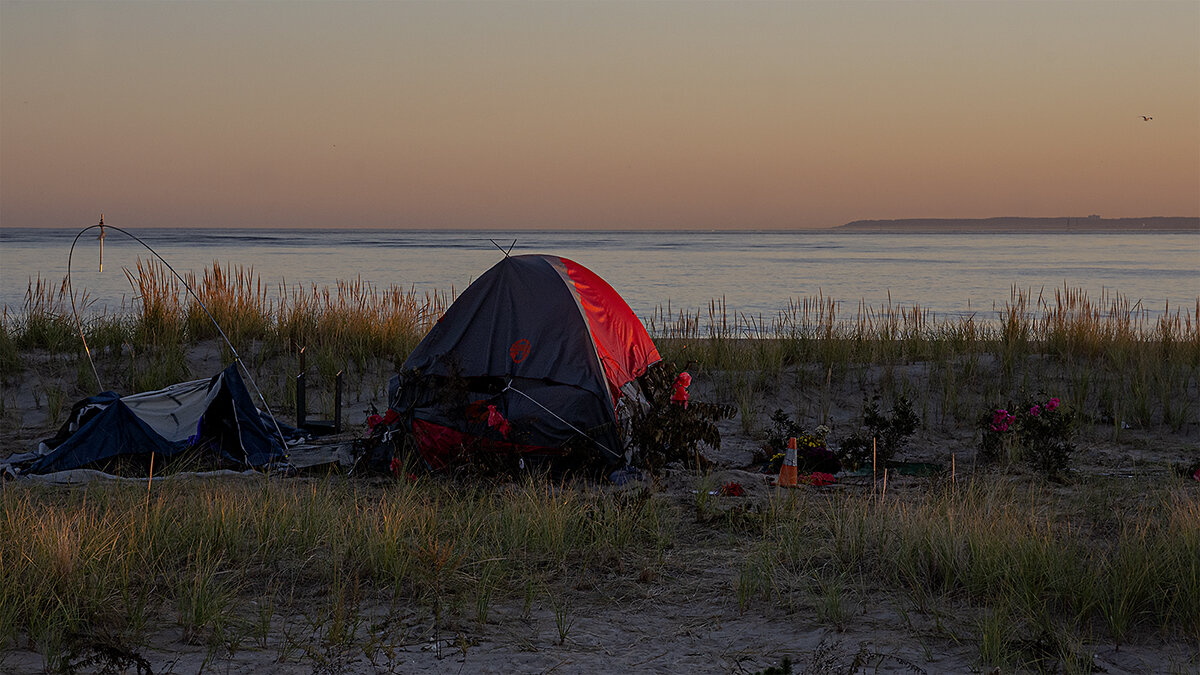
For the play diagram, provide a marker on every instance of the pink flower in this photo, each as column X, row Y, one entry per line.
column 1035, row 410
column 1052, row 404
column 1002, row 419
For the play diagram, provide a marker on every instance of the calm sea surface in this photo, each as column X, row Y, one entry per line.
column 755, row 272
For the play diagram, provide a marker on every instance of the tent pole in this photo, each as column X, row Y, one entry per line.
column 236, row 357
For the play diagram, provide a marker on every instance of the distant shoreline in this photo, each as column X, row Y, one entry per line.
column 1019, row 224
column 1083, row 224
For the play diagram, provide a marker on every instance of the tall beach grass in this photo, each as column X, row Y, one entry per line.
column 1123, row 364
column 117, row 563
column 1111, row 357
column 1030, row 575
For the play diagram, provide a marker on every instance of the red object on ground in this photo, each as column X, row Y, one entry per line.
column 440, row 445
column 387, row 420
column 788, row 471
column 732, row 489
column 680, row 394
column 496, row 421
column 818, row 479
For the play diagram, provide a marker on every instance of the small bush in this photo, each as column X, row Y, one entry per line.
column 666, row 431
column 812, row 451
column 1039, row 431
column 883, row 436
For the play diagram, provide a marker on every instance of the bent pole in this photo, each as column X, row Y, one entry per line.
column 79, row 323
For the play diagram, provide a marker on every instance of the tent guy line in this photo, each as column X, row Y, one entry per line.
column 560, row 419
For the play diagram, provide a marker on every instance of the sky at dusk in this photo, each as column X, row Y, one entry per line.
column 594, row 114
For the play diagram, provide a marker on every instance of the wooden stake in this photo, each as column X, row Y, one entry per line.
column 149, row 480
column 102, row 250
column 953, row 477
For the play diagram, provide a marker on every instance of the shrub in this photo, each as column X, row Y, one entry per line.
column 882, row 435
column 666, row 431
column 1039, row 431
column 812, row 452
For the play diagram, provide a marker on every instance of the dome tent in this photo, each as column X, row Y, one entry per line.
column 533, row 357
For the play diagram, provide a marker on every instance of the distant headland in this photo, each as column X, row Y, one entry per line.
column 1017, row 224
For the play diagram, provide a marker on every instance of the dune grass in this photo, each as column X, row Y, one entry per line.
column 143, row 347
column 1128, row 367
column 1038, row 572
column 114, row 562
column 1028, row 575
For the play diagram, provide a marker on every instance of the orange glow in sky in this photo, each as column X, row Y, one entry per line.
column 594, row 114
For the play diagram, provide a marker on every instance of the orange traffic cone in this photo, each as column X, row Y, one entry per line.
column 787, row 472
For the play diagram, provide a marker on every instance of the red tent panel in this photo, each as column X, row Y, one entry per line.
column 621, row 341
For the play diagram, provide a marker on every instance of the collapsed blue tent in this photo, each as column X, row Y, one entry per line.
column 214, row 416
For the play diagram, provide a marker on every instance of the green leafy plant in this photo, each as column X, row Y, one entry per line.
column 812, row 452
column 667, row 431
column 881, row 435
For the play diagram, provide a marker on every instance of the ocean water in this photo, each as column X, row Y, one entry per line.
column 754, row 273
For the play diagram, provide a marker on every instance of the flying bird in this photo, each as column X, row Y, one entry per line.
column 1146, row 118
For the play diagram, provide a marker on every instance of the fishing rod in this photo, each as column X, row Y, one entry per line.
column 79, row 323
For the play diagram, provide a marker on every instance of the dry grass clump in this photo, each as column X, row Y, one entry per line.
column 356, row 318
column 236, row 300
column 1031, row 575
column 45, row 319
column 1027, row 575
column 349, row 323
column 116, row 563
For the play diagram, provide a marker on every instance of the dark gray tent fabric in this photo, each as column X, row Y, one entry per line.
column 216, row 415
column 522, row 298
